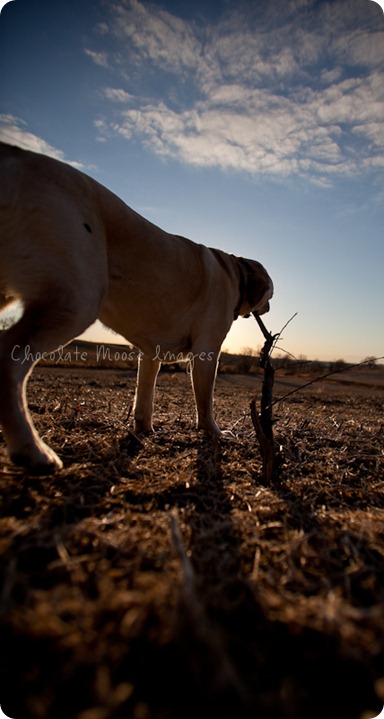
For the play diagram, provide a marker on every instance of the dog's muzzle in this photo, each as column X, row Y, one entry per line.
column 264, row 309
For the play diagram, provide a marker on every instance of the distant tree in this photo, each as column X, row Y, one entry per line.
column 338, row 365
column 303, row 359
column 316, row 366
column 245, row 360
column 370, row 362
column 250, row 352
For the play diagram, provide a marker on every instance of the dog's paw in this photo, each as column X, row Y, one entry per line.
column 215, row 433
column 143, row 427
column 37, row 460
column 227, row 435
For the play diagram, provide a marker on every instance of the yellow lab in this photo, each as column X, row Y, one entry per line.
column 73, row 252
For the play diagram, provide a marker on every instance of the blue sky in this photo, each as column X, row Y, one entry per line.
column 255, row 127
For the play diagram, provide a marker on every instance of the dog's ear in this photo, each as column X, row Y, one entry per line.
column 257, row 288
column 258, row 284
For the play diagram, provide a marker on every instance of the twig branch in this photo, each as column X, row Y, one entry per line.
column 263, row 422
column 318, row 379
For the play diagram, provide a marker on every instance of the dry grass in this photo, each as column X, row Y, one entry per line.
column 161, row 579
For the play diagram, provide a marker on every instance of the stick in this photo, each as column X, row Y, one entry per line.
column 263, row 422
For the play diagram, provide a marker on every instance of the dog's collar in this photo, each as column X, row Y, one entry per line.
column 243, row 270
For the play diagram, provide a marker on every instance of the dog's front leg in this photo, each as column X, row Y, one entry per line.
column 145, row 392
column 203, row 380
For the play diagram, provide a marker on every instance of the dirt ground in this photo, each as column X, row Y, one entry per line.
column 162, row 579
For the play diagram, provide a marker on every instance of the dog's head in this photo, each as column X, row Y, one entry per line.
column 256, row 287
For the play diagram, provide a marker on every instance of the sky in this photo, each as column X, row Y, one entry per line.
column 254, row 126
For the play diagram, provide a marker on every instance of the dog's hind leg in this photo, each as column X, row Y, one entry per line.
column 44, row 326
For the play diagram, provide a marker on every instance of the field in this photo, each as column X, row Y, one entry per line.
column 161, row 578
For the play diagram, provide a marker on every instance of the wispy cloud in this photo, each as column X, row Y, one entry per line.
column 14, row 131
column 117, row 95
column 100, row 58
column 155, row 35
column 286, row 88
column 268, row 92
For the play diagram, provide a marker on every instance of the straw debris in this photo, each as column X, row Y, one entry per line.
column 159, row 578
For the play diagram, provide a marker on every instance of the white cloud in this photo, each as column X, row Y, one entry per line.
column 352, row 101
column 117, row 95
column 257, row 91
column 99, row 58
column 361, row 48
column 14, row 131
column 156, row 35
column 372, row 131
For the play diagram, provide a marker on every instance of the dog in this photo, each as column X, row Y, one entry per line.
column 72, row 252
